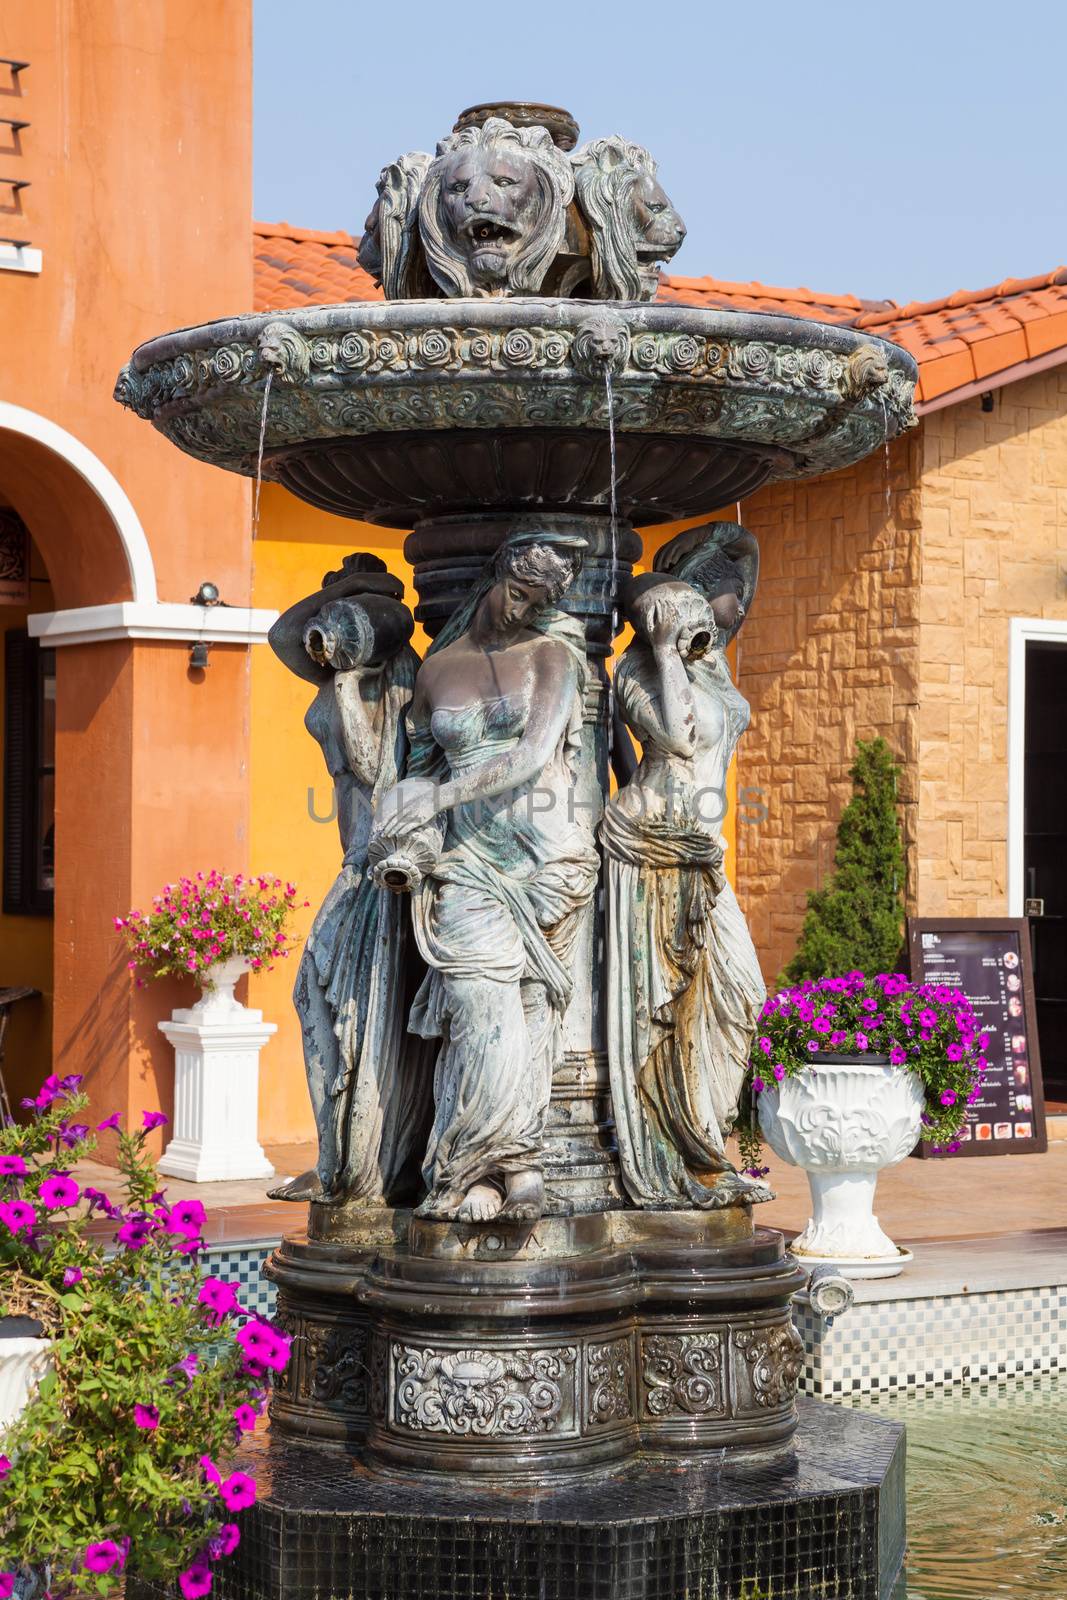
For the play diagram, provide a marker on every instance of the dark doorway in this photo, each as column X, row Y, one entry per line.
column 1045, row 851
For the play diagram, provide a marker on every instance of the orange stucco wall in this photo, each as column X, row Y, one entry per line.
column 138, row 152
column 296, row 544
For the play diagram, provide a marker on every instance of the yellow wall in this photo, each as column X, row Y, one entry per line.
column 295, row 546
column 25, row 942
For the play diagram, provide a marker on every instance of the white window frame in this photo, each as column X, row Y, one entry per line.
column 1024, row 631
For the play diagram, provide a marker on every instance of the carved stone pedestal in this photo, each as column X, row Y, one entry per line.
column 533, row 1352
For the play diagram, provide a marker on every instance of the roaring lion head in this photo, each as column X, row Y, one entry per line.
column 492, row 212
column 389, row 249
column 632, row 225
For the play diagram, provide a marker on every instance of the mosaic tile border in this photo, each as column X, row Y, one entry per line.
column 878, row 1347
column 908, row 1346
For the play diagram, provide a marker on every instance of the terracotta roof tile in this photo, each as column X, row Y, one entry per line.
column 958, row 340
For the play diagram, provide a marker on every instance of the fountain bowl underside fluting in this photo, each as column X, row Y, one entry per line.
column 393, row 412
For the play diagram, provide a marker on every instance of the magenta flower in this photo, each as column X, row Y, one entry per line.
column 195, row 1581
column 98, row 1201
column 238, row 1491
column 103, row 1556
column 262, row 1344
column 146, row 1417
column 109, row 1122
column 245, row 1418
column 948, row 1098
column 16, row 1215
column 134, row 1233
column 187, row 1217
column 838, row 1038
column 861, row 1040
column 153, row 1119
column 822, row 1025
column 210, row 1470
column 5, row 1467
column 72, row 1276
column 7, row 1585
column 779, row 1072
column 59, row 1192
column 928, row 1018
column 898, row 1056
column 12, row 1167
column 758, row 1085
column 766, row 1045
column 954, row 1052
column 229, row 1537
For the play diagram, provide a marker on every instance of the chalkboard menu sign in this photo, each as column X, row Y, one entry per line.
column 989, row 959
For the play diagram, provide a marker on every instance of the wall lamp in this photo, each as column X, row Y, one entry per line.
column 207, row 595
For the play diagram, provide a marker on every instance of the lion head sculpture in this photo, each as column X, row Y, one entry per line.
column 389, row 249
column 632, row 225
column 492, row 212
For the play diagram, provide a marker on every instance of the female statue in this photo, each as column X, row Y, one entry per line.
column 684, row 987
column 496, row 725
column 350, row 639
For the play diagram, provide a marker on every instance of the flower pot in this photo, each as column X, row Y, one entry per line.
column 216, row 1083
column 23, row 1363
column 842, row 1120
column 217, row 985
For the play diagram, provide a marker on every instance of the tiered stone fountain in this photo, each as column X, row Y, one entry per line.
column 541, row 1348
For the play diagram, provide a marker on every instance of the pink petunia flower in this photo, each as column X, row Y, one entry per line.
column 898, row 1056
column 861, row 1040
column 59, row 1192
column 12, row 1167
column 15, row 1215
column 758, row 1085
column 210, row 1470
column 153, row 1119
column 948, row 1098
column 109, row 1122
column 5, row 1467
column 779, row 1072
column 245, row 1418
column 766, row 1046
column 103, row 1556
column 134, row 1233
column 261, row 1343
column 146, row 1417
column 7, row 1585
column 238, row 1491
column 187, row 1217
column 229, row 1537
column 195, row 1581
column 72, row 1276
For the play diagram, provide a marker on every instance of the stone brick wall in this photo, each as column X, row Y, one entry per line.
column 829, row 655
column 994, row 546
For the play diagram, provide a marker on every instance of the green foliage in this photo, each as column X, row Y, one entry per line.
column 151, row 1378
column 857, row 920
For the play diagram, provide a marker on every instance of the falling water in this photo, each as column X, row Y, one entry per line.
column 612, row 571
column 737, row 508
column 888, row 502
column 259, row 453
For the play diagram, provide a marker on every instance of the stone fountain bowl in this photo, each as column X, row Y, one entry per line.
column 398, row 411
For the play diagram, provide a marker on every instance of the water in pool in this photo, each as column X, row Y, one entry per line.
column 987, row 1491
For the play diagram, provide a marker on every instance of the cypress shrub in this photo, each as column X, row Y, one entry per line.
column 857, row 921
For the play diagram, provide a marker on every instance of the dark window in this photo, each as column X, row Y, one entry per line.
column 29, row 776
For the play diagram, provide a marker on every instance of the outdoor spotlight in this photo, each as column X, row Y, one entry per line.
column 830, row 1293
column 198, row 653
column 206, row 595
column 987, row 400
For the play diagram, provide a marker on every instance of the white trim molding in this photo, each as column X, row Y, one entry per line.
column 104, row 484
column 157, row 619
column 1024, row 630
column 20, row 258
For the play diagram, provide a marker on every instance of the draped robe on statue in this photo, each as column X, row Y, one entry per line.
column 684, row 987
column 368, row 1087
column 495, row 921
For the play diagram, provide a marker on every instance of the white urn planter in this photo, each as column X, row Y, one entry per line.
column 23, row 1363
column 216, row 1083
column 843, row 1120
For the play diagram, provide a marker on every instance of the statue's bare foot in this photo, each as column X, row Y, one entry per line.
column 308, row 1186
column 525, row 1201
column 480, row 1204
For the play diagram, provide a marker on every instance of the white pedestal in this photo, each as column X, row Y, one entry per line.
column 216, row 1093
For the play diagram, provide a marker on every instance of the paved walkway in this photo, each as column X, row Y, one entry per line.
column 949, row 1199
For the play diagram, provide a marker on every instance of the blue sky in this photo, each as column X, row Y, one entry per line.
column 901, row 150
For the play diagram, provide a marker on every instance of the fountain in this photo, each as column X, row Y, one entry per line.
column 541, row 1347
